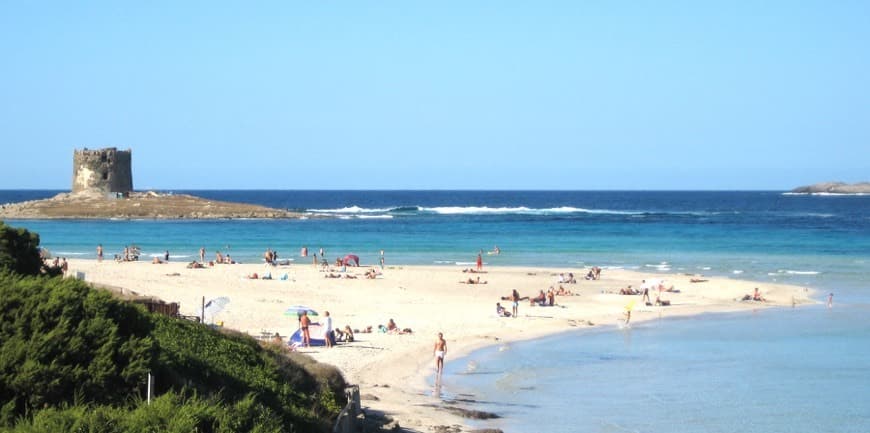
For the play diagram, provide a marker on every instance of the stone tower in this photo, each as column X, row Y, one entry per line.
column 106, row 171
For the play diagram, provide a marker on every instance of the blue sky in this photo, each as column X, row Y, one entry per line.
column 445, row 95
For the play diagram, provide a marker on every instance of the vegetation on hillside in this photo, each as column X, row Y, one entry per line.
column 73, row 358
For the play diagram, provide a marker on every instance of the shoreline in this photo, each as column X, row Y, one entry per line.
column 393, row 370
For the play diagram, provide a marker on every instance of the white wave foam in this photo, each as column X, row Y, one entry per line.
column 737, row 272
column 704, row 268
column 371, row 217
column 67, row 253
column 790, row 272
column 350, row 209
column 472, row 210
column 171, row 256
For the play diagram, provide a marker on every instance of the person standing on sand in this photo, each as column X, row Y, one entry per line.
column 166, row 256
column 515, row 297
column 830, row 300
column 479, row 262
column 440, row 350
column 304, row 323
column 100, row 252
column 202, row 254
column 327, row 332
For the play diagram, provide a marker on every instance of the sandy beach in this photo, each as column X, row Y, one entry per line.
column 391, row 369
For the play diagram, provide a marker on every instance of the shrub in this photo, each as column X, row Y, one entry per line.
column 73, row 358
column 19, row 251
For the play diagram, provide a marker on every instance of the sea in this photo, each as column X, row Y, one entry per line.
column 804, row 369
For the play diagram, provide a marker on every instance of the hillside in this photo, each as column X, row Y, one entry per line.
column 73, row 358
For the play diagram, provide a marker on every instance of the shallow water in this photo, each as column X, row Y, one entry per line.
column 802, row 370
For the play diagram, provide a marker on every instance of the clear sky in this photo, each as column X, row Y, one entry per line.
column 439, row 95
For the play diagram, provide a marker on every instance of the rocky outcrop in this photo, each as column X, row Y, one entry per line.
column 149, row 205
column 834, row 188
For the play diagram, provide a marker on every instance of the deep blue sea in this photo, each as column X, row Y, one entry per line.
column 805, row 370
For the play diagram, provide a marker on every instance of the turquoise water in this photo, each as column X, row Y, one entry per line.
column 803, row 370
column 795, row 370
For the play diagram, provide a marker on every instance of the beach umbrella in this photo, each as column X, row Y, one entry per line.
column 297, row 310
column 213, row 307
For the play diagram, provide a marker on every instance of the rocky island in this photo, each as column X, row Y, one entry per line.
column 136, row 205
column 834, row 188
column 102, row 188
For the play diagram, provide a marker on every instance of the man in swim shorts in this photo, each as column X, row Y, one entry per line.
column 440, row 350
column 304, row 323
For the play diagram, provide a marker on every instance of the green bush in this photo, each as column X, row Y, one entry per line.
column 73, row 358
column 19, row 251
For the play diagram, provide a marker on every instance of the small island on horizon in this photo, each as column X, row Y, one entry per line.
column 834, row 188
column 102, row 188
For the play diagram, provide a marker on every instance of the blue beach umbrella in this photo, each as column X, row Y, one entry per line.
column 297, row 310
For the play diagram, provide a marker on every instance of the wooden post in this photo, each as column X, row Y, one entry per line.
column 202, row 311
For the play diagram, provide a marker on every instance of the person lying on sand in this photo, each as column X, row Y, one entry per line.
column 195, row 265
column 473, row 281
column 252, row 276
column 564, row 292
column 662, row 302
column 331, row 275
column 156, row 261
column 372, row 273
column 628, row 291
column 698, row 280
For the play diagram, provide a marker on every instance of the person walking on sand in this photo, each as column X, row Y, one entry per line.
column 440, row 350
column 100, row 252
column 304, row 323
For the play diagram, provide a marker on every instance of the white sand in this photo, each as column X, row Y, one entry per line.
column 427, row 299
